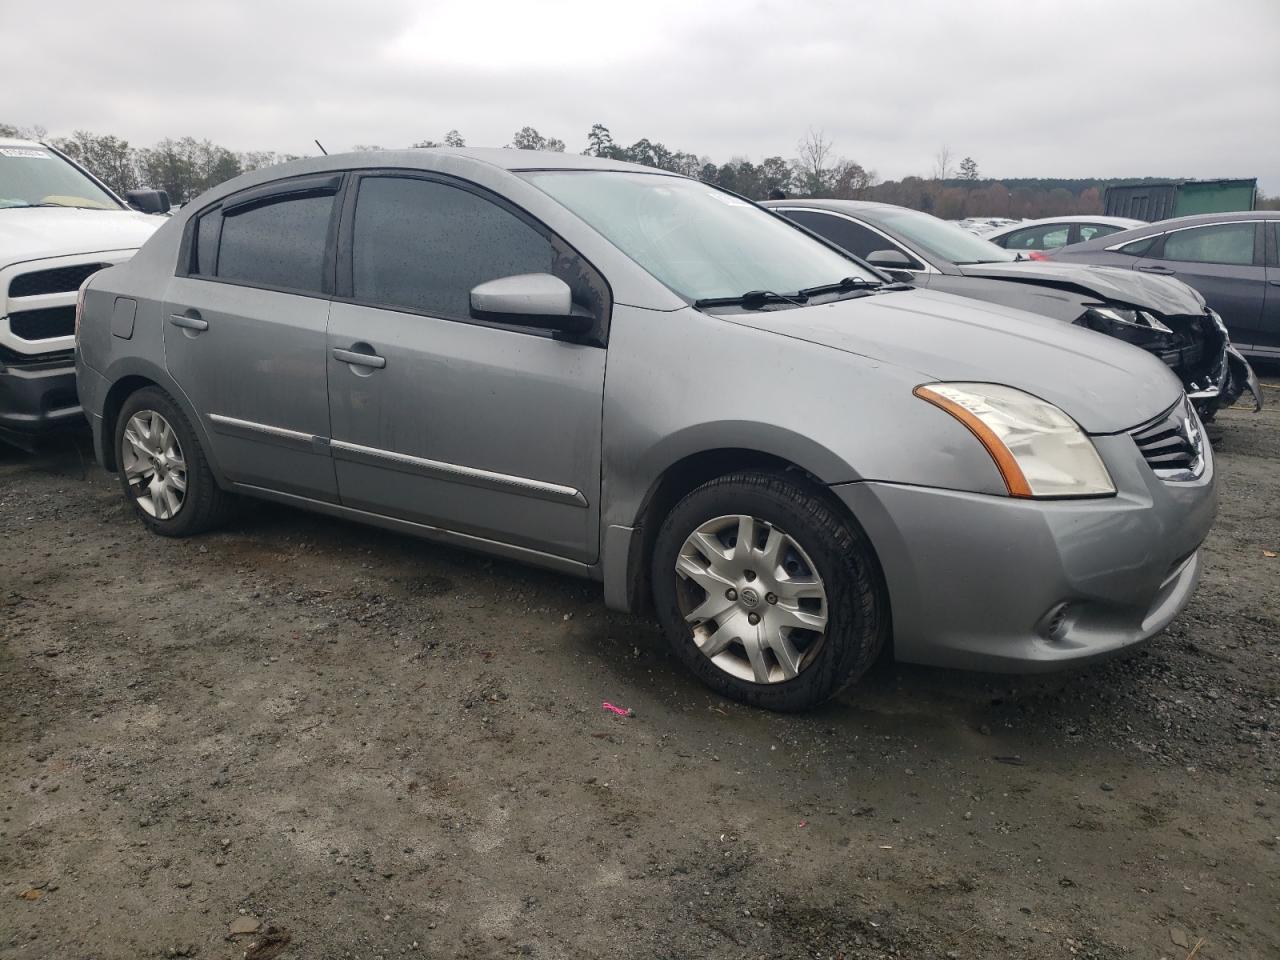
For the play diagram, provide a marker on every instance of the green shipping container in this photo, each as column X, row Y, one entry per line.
column 1215, row 196
column 1161, row 199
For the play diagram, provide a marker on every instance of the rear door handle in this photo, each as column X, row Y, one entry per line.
column 1155, row 269
column 360, row 359
column 188, row 323
column 1274, row 283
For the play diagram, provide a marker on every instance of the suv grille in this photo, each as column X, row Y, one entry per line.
column 1173, row 443
column 58, row 280
column 43, row 324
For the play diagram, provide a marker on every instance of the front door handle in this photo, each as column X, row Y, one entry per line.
column 1155, row 269
column 360, row 359
column 188, row 322
column 1274, row 283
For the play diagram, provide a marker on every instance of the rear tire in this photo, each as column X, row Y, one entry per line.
column 163, row 470
column 789, row 620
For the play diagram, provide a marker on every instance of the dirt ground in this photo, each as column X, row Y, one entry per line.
column 365, row 746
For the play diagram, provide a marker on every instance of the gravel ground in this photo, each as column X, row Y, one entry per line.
column 349, row 743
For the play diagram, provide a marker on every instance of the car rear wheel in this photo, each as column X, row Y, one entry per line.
column 766, row 592
column 163, row 470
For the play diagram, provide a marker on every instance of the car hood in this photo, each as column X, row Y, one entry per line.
column 1164, row 295
column 34, row 233
column 1107, row 386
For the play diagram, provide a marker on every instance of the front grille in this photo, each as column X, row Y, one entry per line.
column 43, row 324
column 1173, row 443
column 57, row 280
column 1183, row 357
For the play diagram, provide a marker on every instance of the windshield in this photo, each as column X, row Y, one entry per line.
column 35, row 176
column 938, row 237
column 701, row 242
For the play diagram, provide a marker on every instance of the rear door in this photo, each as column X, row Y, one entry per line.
column 244, row 333
column 484, row 429
column 1267, row 341
column 1224, row 261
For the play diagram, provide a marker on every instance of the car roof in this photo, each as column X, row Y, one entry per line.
column 850, row 206
column 504, row 158
column 18, row 142
column 1176, row 223
column 1077, row 218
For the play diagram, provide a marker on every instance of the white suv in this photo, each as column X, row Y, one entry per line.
column 58, row 225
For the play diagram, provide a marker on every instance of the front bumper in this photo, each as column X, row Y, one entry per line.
column 38, row 397
column 995, row 583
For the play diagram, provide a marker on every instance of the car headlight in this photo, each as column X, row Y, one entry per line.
column 1038, row 449
column 1112, row 319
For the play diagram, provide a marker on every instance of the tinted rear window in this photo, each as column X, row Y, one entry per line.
column 280, row 245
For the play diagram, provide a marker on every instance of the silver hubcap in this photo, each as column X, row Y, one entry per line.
column 753, row 597
column 154, row 465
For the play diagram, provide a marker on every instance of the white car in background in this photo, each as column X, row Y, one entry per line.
column 1032, row 236
column 58, row 225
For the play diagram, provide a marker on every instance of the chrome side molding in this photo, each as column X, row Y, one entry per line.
column 555, row 492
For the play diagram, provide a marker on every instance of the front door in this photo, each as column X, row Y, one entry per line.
column 487, row 430
column 1224, row 262
column 244, row 336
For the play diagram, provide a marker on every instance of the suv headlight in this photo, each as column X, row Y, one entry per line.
column 1038, row 449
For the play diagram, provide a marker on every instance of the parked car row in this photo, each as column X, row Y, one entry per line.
column 628, row 375
column 1167, row 319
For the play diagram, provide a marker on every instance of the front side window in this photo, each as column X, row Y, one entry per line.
column 1226, row 243
column 1045, row 237
column 699, row 241
column 1139, row 248
column 422, row 245
column 278, row 244
column 38, row 177
column 944, row 240
column 859, row 240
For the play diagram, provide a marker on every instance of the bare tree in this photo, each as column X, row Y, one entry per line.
column 942, row 167
column 813, row 171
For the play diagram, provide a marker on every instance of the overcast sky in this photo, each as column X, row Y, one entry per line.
column 1027, row 87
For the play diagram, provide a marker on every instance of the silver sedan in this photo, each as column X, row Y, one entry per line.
column 634, row 377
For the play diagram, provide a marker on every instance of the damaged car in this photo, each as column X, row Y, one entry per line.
column 1162, row 316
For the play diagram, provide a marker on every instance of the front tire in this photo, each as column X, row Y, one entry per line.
column 163, row 470
column 767, row 592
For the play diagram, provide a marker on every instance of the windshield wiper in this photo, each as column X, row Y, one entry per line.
column 64, row 206
column 845, row 283
column 753, row 300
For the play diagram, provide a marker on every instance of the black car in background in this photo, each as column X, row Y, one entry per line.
column 1231, row 258
column 1155, row 313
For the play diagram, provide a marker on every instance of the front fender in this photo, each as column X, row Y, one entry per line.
column 1243, row 373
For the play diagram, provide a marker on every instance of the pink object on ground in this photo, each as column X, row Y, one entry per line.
column 620, row 711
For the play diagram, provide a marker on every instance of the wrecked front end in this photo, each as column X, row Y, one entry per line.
column 1196, row 347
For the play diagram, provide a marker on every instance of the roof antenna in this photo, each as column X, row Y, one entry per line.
column 322, row 149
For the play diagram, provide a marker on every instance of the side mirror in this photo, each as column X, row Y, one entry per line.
column 530, row 300
column 891, row 259
column 148, row 201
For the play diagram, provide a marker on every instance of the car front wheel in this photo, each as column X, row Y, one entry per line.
column 766, row 592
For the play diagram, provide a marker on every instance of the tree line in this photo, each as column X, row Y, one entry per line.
column 185, row 167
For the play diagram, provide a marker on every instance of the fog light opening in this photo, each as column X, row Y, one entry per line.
column 1057, row 622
